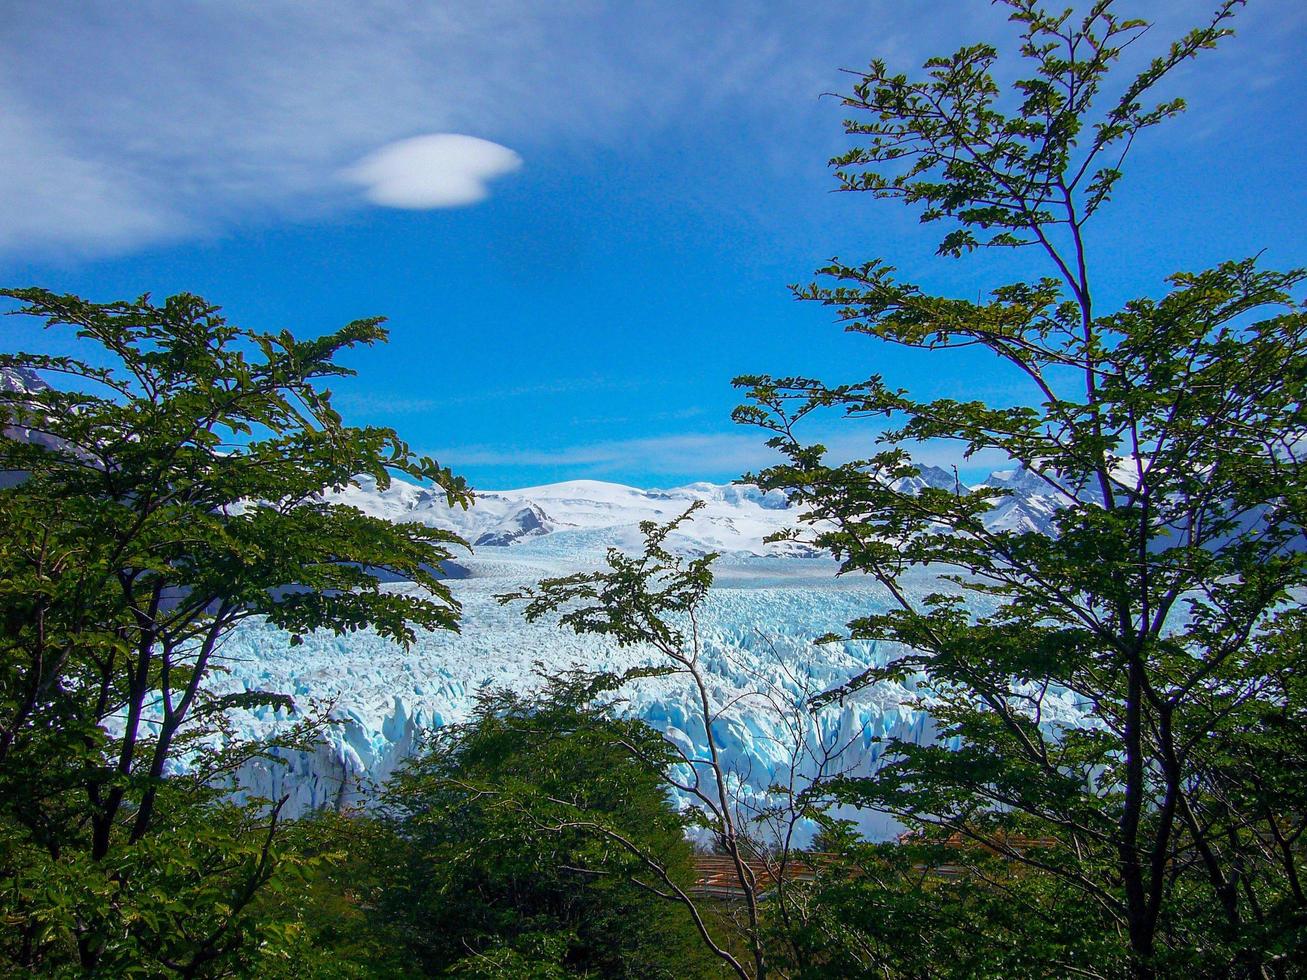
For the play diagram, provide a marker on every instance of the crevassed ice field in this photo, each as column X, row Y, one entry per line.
column 769, row 603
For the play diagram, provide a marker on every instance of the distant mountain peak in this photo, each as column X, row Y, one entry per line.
column 21, row 381
column 529, row 521
column 935, row 477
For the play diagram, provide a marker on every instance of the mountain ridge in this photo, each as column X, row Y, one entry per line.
column 733, row 518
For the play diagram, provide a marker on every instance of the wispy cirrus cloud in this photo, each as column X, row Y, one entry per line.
column 48, row 189
column 128, row 123
column 125, row 124
column 679, row 453
column 706, row 455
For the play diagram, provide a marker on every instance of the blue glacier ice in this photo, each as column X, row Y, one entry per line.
column 768, row 605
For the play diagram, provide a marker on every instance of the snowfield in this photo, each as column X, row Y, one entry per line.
column 769, row 603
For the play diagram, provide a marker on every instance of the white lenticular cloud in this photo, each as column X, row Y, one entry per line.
column 440, row 170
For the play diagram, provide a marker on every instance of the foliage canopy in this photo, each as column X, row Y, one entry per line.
column 1166, row 602
column 173, row 490
column 521, row 841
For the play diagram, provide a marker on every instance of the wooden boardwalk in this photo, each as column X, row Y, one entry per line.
column 716, row 876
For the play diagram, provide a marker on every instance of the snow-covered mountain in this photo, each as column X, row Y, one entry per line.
column 15, row 383
column 1031, row 504
column 733, row 519
column 930, row 476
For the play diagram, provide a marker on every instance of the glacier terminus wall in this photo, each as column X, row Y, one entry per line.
column 769, row 604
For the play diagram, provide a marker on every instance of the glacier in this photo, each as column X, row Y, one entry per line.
column 769, row 603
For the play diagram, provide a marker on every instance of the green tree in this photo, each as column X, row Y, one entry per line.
column 655, row 599
column 1165, row 602
column 172, row 491
column 937, row 909
column 322, row 909
column 524, row 844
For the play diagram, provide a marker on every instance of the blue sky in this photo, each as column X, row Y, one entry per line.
column 571, row 298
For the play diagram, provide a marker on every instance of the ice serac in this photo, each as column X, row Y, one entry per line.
column 757, row 633
column 771, row 601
